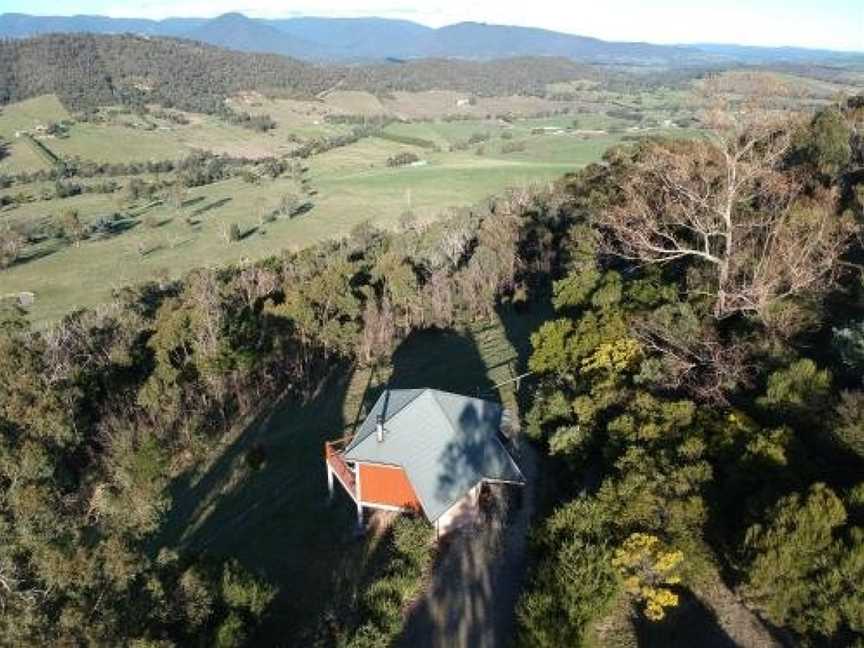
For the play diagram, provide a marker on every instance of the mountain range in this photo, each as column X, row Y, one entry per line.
column 346, row 39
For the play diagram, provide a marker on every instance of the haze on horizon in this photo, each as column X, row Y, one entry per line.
column 825, row 24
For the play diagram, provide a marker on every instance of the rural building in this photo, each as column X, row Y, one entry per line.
column 423, row 450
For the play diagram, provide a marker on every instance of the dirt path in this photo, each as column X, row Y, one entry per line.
column 470, row 599
column 741, row 626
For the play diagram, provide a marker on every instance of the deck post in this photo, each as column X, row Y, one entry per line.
column 359, row 498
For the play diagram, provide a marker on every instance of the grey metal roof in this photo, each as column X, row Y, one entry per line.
column 446, row 443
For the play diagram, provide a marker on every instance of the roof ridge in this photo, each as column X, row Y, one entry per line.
column 441, row 408
column 357, row 433
column 421, row 391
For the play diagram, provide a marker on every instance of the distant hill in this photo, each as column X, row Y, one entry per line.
column 236, row 31
column 17, row 25
column 90, row 70
column 479, row 40
column 769, row 55
column 360, row 38
column 368, row 39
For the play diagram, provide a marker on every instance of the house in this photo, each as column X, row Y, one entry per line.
column 423, row 450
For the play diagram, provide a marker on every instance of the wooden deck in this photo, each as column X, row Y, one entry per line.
column 333, row 455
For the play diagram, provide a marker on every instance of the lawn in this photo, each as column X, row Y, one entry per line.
column 276, row 520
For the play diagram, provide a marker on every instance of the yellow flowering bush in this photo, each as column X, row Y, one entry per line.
column 646, row 568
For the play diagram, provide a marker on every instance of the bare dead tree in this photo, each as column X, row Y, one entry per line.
column 454, row 241
column 256, row 282
column 727, row 202
column 379, row 331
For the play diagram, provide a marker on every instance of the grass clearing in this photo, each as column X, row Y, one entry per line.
column 30, row 113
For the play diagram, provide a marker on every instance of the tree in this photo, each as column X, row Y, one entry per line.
column 826, row 141
column 805, row 565
column 11, row 244
column 648, row 569
column 177, row 193
column 289, row 204
column 849, row 426
column 73, row 228
column 575, row 584
column 727, row 204
column 798, row 392
column 231, row 233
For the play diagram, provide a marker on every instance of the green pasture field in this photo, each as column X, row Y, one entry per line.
column 347, row 186
column 30, row 113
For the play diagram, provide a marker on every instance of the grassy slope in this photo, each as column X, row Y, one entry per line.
column 31, row 113
column 350, row 184
column 353, row 184
column 276, row 520
column 26, row 115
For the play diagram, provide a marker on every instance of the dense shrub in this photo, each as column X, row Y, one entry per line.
column 402, row 159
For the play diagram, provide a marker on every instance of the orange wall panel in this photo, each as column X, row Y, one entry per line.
column 386, row 485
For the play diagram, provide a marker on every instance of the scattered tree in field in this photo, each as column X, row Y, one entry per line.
column 152, row 221
column 263, row 211
column 177, row 194
column 513, row 147
column 231, row 233
column 11, row 245
column 402, row 159
column 289, row 203
column 73, row 228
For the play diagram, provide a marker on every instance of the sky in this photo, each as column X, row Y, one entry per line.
column 833, row 24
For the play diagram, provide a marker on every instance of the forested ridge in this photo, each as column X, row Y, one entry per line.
column 86, row 71
column 700, row 389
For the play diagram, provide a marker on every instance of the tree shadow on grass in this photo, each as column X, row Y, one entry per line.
column 216, row 204
column 249, row 232
column 116, row 228
column 192, row 201
column 305, row 208
column 274, row 519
